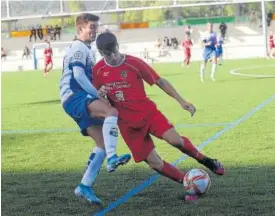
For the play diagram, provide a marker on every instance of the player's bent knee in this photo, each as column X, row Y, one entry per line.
column 172, row 137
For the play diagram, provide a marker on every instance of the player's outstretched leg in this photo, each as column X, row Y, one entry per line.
column 45, row 70
column 214, row 66
column 220, row 59
column 110, row 134
column 202, row 71
column 186, row 146
column 188, row 62
column 99, row 108
column 49, row 68
column 166, row 169
column 272, row 53
column 96, row 159
column 87, row 193
column 183, row 63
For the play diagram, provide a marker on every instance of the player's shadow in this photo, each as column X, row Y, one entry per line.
column 57, row 101
column 243, row 190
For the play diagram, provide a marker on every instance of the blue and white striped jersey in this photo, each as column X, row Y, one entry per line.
column 77, row 70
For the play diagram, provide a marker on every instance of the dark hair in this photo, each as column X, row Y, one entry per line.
column 85, row 18
column 106, row 43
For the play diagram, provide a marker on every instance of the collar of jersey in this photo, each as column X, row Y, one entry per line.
column 84, row 43
column 117, row 64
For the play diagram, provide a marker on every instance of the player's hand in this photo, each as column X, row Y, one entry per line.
column 102, row 91
column 189, row 107
column 105, row 100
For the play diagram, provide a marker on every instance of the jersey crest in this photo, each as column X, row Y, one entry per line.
column 123, row 74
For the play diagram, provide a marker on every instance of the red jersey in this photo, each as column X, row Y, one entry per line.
column 186, row 44
column 271, row 41
column 48, row 52
column 126, row 88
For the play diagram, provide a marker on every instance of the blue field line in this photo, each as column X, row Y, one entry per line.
column 66, row 130
column 155, row 177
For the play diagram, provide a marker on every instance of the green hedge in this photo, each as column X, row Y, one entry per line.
column 191, row 21
column 200, row 21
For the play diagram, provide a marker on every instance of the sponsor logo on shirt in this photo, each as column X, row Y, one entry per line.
column 106, row 73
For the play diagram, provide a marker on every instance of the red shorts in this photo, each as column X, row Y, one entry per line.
column 48, row 61
column 138, row 138
column 187, row 55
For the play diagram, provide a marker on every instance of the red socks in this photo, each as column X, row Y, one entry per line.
column 172, row 172
column 189, row 149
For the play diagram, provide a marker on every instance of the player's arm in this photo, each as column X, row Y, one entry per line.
column 209, row 43
column 151, row 77
column 203, row 42
column 169, row 89
column 78, row 67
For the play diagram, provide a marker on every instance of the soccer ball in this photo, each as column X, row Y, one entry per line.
column 196, row 182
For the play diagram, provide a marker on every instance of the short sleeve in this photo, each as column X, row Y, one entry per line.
column 79, row 56
column 147, row 73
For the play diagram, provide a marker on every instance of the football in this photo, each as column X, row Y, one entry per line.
column 196, row 182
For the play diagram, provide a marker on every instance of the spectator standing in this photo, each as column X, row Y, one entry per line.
column 174, row 42
column 188, row 31
column 158, row 46
column 223, row 28
column 26, row 52
column 269, row 18
column 40, row 32
column 3, row 54
column 57, row 31
column 48, row 33
column 52, row 32
column 33, row 34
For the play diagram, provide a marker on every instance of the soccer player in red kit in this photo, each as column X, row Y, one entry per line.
column 120, row 77
column 48, row 53
column 271, row 45
column 187, row 44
